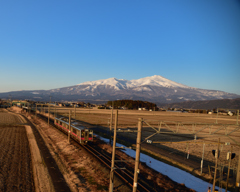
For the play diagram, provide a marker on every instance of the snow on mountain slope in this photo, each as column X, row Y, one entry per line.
column 113, row 82
column 119, row 84
column 157, row 80
column 154, row 89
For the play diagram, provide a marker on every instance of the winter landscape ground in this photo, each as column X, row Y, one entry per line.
column 178, row 146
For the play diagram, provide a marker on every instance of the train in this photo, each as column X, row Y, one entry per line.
column 81, row 134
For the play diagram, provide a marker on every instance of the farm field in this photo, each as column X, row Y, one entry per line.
column 15, row 156
column 129, row 117
column 7, row 118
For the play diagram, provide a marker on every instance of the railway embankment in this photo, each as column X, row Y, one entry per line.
column 42, row 179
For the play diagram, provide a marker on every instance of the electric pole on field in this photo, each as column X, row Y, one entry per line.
column 229, row 166
column 48, row 113
column 75, row 111
column 36, row 111
column 113, row 153
column 216, row 165
column 238, row 174
column 69, row 126
column 138, row 149
column 55, row 111
column 237, row 116
column 217, row 117
column 111, row 120
column 202, row 158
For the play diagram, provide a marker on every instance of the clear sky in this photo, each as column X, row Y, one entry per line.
column 51, row 44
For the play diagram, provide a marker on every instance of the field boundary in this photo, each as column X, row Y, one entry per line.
column 42, row 179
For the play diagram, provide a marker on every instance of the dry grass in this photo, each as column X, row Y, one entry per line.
column 130, row 117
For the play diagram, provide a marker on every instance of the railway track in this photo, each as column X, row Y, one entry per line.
column 122, row 168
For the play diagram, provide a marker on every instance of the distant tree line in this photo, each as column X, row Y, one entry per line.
column 131, row 104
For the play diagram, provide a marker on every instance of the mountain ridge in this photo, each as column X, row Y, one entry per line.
column 155, row 80
column 155, row 89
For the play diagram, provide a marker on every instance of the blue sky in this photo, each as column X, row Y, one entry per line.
column 52, row 44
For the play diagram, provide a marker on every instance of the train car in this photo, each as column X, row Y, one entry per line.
column 81, row 134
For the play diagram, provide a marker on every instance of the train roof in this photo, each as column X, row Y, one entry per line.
column 74, row 126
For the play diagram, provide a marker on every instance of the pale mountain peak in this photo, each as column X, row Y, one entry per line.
column 157, row 80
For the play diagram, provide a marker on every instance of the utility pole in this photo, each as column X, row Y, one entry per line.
column 216, row 165
column 36, row 111
column 10, row 100
column 138, row 149
column 237, row 116
column 237, row 189
column 75, row 111
column 55, row 111
column 48, row 113
column 202, row 158
column 111, row 120
column 113, row 153
column 229, row 164
column 217, row 117
column 69, row 126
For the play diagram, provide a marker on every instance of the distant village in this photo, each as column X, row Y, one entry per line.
column 113, row 104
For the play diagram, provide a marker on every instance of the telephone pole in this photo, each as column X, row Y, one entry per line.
column 36, row 111
column 48, row 113
column 75, row 111
column 216, row 165
column 138, row 149
column 69, row 126
column 113, row 153
column 238, row 174
column 111, row 120
column 229, row 166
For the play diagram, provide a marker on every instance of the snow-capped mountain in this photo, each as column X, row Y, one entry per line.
column 119, row 84
column 154, row 89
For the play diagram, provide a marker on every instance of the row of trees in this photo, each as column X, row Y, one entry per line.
column 131, row 104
